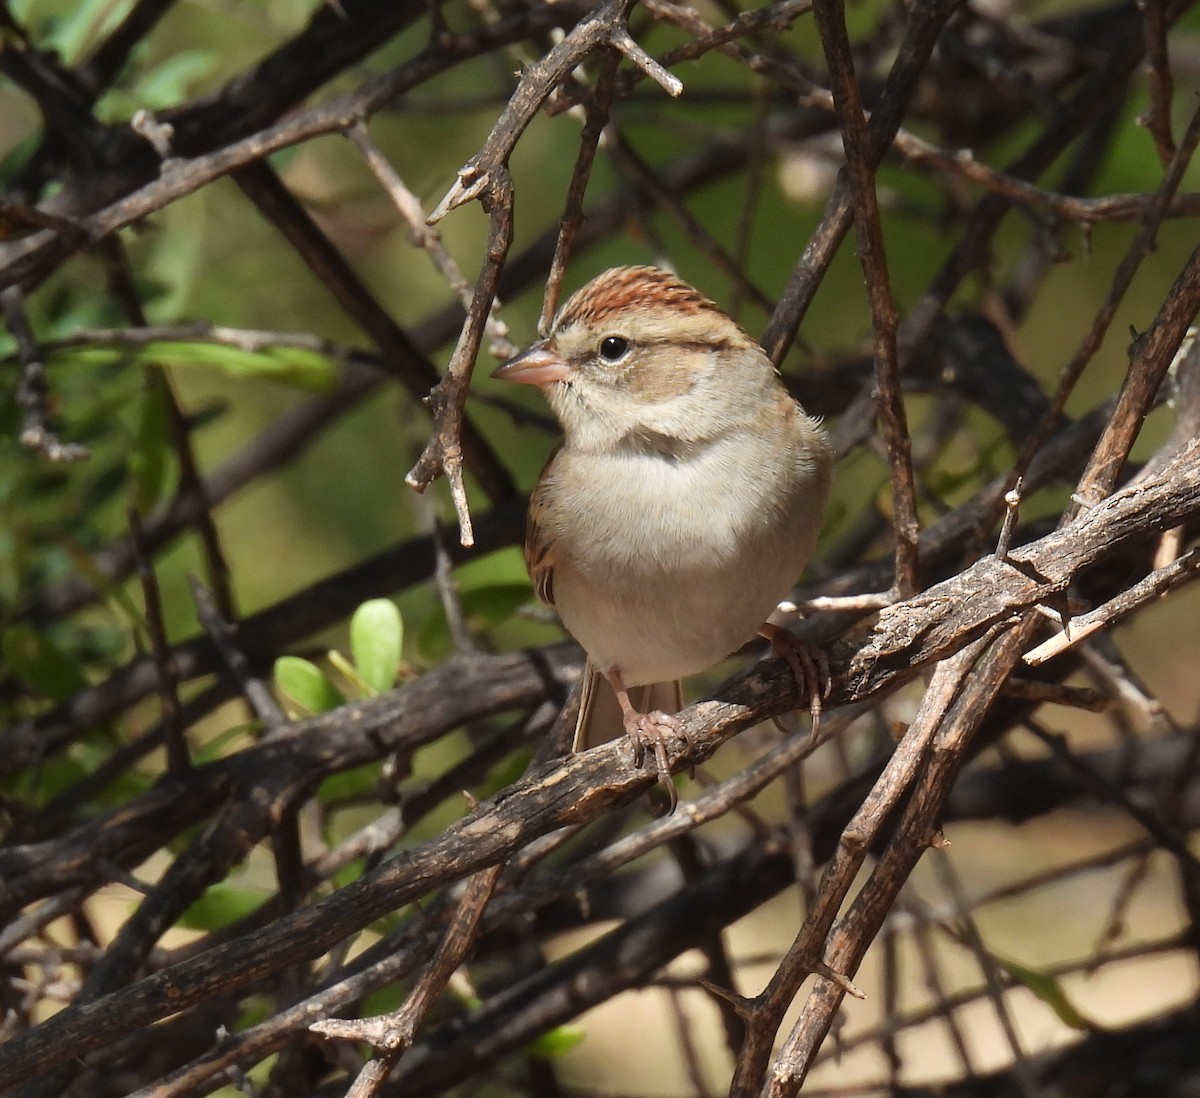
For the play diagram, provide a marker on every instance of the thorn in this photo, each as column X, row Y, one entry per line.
column 842, row 981
column 1012, row 501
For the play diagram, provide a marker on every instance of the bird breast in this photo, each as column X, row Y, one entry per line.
column 666, row 565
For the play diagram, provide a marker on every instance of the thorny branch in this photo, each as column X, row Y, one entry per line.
column 443, row 454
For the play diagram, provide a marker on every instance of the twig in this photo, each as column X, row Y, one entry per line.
column 605, row 26
column 1151, row 358
column 1096, row 95
column 778, row 16
column 648, row 179
column 968, row 933
column 860, row 164
column 13, row 214
column 1074, row 697
column 921, row 33
column 960, row 692
column 1154, row 586
column 1157, row 117
column 220, row 335
column 31, row 258
column 443, row 453
column 931, row 970
column 32, row 387
column 424, row 235
column 1170, row 840
column 223, row 635
column 178, row 755
column 1084, row 210
column 1012, row 505
column 158, row 387
column 1141, row 246
column 449, row 593
column 392, row 1034
column 809, row 947
column 572, row 218
column 418, row 374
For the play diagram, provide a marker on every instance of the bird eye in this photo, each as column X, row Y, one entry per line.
column 613, row 348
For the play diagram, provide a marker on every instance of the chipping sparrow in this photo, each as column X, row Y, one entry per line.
column 684, row 500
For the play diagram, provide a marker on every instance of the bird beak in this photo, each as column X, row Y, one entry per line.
column 537, row 366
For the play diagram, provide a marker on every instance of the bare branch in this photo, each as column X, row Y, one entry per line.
column 604, row 27
column 860, row 168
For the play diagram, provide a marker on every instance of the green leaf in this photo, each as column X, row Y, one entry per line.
column 166, row 84
column 221, row 905
column 358, row 685
column 356, row 784
column 350, row 872
column 376, row 638
column 304, row 684
column 41, row 664
column 383, row 1001
column 1049, row 990
column 289, row 365
column 557, row 1042
column 150, row 457
column 77, row 26
column 224, row 743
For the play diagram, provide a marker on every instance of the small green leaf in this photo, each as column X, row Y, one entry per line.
column 223, row 743
column 221, row 905
column 376, row 638
column 41, row 664
column 383, row 1001
column 166, row 84
column 359, row 687
column 356, row 784
column 149, row 459
column 304, row 684
column 557, row 1042
column 1049, row 990
column 76, row 26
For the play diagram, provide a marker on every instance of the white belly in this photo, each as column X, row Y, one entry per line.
column 668, row 574
column 669, row 628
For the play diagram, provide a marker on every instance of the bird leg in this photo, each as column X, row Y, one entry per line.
column 809, row 666
column 649, row 730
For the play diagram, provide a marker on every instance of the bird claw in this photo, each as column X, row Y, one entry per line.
column 650, row 731
column 809, row 666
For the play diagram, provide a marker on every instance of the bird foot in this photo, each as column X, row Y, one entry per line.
column 649, row 731
column 809, row 666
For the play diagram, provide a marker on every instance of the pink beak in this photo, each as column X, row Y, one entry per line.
column 537, row 366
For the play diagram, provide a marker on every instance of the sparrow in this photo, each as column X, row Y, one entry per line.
column 682, row 503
